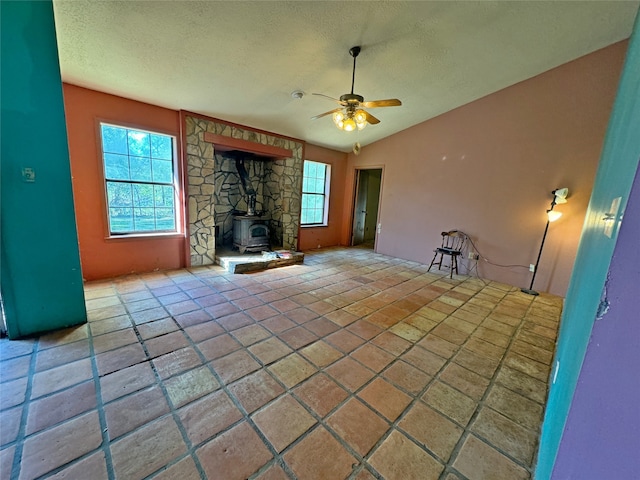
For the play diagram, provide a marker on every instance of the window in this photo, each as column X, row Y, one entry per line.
column 315, row 193
column 139, row 176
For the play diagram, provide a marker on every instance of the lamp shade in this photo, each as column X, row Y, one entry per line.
column 553, row 215
column 561, row 195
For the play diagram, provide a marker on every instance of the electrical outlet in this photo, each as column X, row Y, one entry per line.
column 473, row 256
column 532, row 267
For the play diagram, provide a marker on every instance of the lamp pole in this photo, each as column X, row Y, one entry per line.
column 555, row 193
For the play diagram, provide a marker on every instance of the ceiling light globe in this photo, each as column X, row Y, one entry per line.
column 349, row 125
column 360, row 116
column 553, row 215
column 338, row 117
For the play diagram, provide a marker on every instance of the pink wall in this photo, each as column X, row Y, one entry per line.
column 310, row 237
column 488, row 168
column 102, row 257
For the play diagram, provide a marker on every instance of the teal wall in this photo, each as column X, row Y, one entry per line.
column 41, row 280
column 616, row 171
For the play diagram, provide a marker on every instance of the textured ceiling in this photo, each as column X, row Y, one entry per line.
column 241, row 60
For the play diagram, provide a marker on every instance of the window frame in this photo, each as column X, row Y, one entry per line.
column 325, row 194
column 175, row 184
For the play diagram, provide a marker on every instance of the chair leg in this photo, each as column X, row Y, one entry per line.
column 433, row 260
column 454, row 265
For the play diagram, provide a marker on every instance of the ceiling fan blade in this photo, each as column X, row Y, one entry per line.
column 330, row 98
column 391, row 102
column 326, row 113
column 371, row 119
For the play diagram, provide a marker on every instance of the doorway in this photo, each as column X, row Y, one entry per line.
column 366, row 204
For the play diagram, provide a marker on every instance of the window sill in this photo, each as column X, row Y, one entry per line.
column 318, row 225
column 144, row 236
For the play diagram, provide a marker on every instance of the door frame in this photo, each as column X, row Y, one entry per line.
column 354, row 193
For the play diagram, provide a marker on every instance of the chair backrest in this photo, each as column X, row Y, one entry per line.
column 453, row 240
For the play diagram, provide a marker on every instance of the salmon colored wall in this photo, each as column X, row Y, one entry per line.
column 310, row 237
column 488, row 168
column 102, row 257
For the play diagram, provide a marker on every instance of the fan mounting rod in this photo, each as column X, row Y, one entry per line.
column 354, row 51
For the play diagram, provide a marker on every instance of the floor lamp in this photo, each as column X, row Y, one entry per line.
column 559, row 196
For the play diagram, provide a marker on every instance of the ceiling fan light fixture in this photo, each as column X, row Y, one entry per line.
column 338, row 119
column 349, row 125
column 361, row 119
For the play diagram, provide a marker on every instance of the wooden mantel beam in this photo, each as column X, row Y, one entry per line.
column 225, row 144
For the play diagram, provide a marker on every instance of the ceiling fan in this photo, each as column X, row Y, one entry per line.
column 351, row 114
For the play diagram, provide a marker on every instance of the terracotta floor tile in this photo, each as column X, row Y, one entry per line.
column 246, row 303
column 292, row 370
column 192, row 318
column 270, row 350
column 94, row 467
column 11, row 420
column 149, row 315
column 476, row 363
column 45, row 451
column 385, row 398
column 421, row 323
column 321, row 353
column 158, row 443
column 431, row 429
column 478, row 461
column 55, row 357
column 344, row 341
column 208, row 416
column 278, row 324
column 140, row 305
column 321, row 394
column 49, row 381
column 349, row 373
column 165, row 343
column 508, row 436
column 218, row 346
column 450, row 402
column 423, row 360
column 516, row 407
column 534, row 369
column 284, row 305
column 110, row 325
column 235, row 321
column 110, row 341
column 275, row 472
column 319, row 456
column 191, row 385
column 185, row 469
column 321, row 326
column 133, row 411
column 234, row 366
column 176, row 362
column 107, row 312
column 157, row 328
column 408, row 332
column 297, row 337
column 391, row 343
column 204, row 331
column 492, row 336
column 358, row 425
column 398, row 458
column 341, row 317
column 407, row 377
column 48, row 411
column 450, row 334
column 262, row 312
column 251, row 334
column 120, row 358
column 13, row 393
column 523, row 384
column 301, row 315
column 255, row 390
column 364, row 329
column 220, row 310
column 468, row 382
column 283, row 421
column 224, row 457
column 372, row 357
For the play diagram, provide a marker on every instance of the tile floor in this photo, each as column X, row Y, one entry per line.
column 352, row 365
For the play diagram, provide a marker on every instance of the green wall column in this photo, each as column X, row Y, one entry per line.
column 41, row 278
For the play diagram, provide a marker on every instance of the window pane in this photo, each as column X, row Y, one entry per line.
column 119, row 194
column 163, row 196
column 139, row 143
column 143, row 195
column 144, row 219
column 116, row 167
column 161, row 147
column 140, row 169
column 162, row 171
column 121, row 220
column 165, row 219
column 114, row 139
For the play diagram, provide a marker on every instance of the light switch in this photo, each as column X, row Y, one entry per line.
column 28, row 174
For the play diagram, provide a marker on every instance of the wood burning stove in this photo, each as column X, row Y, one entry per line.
column 250, row 233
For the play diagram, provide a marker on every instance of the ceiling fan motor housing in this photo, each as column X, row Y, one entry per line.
column 351, row 98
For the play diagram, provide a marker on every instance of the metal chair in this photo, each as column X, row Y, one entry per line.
column 452, row 244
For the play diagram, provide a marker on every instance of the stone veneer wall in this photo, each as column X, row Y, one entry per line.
column 281, row 187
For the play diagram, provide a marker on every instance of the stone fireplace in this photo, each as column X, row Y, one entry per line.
column 216, row 194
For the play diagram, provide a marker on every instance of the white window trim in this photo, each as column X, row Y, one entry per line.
column 327, row 192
